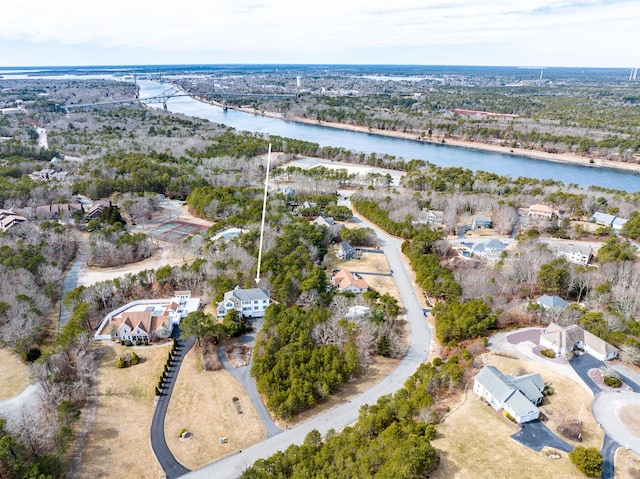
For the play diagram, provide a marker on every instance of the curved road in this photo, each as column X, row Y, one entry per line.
column 171, row 467
column 346, row 414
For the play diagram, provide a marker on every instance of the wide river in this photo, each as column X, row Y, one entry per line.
column 408, row 149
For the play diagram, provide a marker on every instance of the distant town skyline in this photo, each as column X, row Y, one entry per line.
column 544, row 33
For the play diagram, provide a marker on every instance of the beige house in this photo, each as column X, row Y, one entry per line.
column 540, row 211
column 9, row 219
column 563, row 340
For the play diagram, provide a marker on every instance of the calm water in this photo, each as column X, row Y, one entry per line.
column 440, row 155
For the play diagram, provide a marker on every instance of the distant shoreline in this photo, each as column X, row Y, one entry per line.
column 567, row 158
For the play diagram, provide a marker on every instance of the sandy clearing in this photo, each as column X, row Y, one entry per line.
column 14, row 375
column 166, row 254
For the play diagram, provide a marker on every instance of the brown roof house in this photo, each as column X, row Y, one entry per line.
column 563, row 340
column 9, row 219
column 347, row 281
column 147, row 319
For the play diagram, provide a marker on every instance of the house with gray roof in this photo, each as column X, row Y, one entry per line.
column 325, row 222
column 481, row 222
column 575, row 253
column 564, row 340
column 250, row 303
column 490, row 250
column 518, row 396
column 346, row 251
column 603, row 219
column 551, row 302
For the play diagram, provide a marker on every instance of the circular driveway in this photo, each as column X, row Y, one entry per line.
column 604, row 410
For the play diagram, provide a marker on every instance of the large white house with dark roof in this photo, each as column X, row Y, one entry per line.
column 250, row 303
column 518, row 396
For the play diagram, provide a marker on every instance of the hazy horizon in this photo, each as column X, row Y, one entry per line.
column 549, row 33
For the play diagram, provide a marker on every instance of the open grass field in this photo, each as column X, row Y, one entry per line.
column 14, row 375
column 627, row 465
column 203, row 402
column 119, row 444
column 475, row 441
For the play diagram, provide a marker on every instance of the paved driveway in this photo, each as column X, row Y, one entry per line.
column 171, row 467
column 536, row 435
column 609, row 447
column 582, row 365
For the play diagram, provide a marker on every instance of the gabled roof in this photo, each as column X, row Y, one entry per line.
column 495, row 245
column 541, row 208
column 551, row 302
column 520, row 394
column 603, row 218
column 250, row 294
column 519, row 404
column 346, row 246
column 565, row 338
column 571, row 248
column 530, row 385
column 343, row 279
column 495, row 382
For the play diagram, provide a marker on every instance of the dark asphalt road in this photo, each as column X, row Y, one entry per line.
column 536, row 435
column 171, row 467
column 582, row 364
column 609, row 447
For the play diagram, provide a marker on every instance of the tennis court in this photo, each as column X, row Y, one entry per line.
column 175, row 231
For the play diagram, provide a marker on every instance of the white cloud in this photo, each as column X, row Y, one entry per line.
column 599, row 30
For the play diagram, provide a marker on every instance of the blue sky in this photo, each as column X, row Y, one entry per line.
column 587, row 33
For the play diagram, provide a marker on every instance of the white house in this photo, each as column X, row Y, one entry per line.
column 518, row 396
column 491, row 250
column 563, row 340
column 431, row 217
column 325, row 222
column 250, row 303
column 147, row 319
column 575, row 253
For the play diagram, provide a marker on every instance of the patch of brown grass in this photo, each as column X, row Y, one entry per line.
column 627, row 464
column 119, row 444
column 474, row 442
column 14, row 375
column 203, row 403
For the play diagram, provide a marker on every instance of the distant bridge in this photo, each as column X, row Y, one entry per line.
column 223, row 96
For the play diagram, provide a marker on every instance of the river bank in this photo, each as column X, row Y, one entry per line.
column 567, row 158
